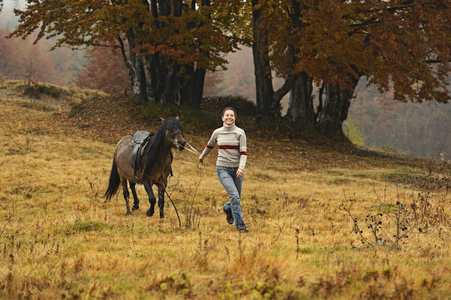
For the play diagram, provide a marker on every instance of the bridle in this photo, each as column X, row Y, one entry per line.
column 191, row 149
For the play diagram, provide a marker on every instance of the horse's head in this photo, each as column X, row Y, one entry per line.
column 174, row 132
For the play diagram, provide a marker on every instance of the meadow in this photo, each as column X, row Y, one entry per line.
column 325, row 221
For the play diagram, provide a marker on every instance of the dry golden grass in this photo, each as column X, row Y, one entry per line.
column 58, row 239
column 49, row 94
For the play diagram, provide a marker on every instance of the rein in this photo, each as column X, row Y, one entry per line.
column 175, row 208
column 191, row 149
column 195, row 152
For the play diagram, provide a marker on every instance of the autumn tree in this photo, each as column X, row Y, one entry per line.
column 104, row 71
column 212, row 83
column 11, row 64
column 171, row 42
column 334, row 43
column 19, row 59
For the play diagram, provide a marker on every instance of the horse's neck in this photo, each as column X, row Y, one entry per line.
column 162, row 156
column 164, row 150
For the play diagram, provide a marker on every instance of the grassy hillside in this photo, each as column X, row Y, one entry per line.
column 326, row 220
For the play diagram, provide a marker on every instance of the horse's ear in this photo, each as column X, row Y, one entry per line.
column 162, row 120
column 177, row 118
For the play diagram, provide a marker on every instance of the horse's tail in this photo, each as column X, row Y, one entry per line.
column 113, row 183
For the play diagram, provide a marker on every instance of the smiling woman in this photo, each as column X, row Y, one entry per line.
column 232, row 156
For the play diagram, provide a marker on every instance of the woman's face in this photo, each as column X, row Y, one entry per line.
column 229, row 117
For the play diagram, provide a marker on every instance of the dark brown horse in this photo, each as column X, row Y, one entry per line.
column 154, row 167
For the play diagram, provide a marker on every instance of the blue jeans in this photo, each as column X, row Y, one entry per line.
column 232, row 185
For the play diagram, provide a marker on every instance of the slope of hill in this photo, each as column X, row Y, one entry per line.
column 325, row 220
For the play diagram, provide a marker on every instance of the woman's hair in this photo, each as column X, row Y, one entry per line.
column 228, row 108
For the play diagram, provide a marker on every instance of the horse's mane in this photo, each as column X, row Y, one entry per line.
column 157, row 142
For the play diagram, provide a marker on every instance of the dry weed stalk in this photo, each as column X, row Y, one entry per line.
column 192, row 213
column 394, row 222
column 22, row 138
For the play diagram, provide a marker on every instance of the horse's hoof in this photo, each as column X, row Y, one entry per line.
column 128, row 213
column 161, row 216
column 135, row 208
column 149, row 213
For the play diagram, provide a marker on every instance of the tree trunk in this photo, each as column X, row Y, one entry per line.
column 157, row 78
column 171, row 94
column 300, row 109
column 263, row 82
column 268, row 101
column 336, row 107
column 193, row 90
column 138, row 83
column 158, row 74
column 128, row 66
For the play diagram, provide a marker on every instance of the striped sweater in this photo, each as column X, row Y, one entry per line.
column 231, row 142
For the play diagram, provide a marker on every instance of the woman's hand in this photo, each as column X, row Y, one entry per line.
column 200, row 163
column 239, row 173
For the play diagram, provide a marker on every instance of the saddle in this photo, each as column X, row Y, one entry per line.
column 139, row 142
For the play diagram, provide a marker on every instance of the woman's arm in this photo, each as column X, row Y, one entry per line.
column 243, row 152
column 210, row 145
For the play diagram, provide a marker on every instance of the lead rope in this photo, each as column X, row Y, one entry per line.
column 175, row 207
column 175, row 184
column 193, row 151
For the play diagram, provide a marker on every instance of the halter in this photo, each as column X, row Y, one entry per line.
column 191, row 149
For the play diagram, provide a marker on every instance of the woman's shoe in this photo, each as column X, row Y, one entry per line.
column 229, row 219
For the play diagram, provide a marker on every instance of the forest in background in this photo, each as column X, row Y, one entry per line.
column 422, row 130
column 21, row 60
column 417, row 129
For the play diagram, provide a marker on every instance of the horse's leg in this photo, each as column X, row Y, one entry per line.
column 152, row 199
column 126, row 195
column 135, row 196
column 161, row 189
